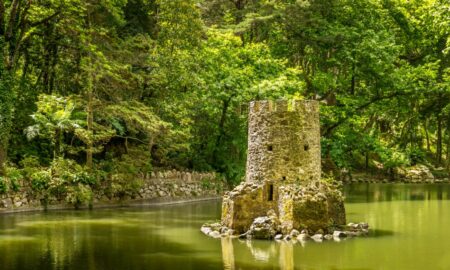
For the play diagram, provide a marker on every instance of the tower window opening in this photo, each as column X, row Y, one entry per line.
column 270, row 193
column 284, row 178
column 270, row 148
column 306, row 147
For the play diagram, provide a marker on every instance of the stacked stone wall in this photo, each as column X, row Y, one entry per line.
column 157, row 186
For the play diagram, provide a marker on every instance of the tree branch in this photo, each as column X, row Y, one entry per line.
column 330, row 129
column 131, row 138
column 19, row 41
column 2, row 18
column 12, row 17
column 47, row 19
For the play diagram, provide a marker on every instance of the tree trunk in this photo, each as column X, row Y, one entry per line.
column 448, row 149
column 225, row 106
column 6, row 112
column 439, row 140
column 353, row 82
column 367, row 162
column 3, row 156
column 425, row 126
column 90, row 122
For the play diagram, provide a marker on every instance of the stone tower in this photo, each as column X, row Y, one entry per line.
column 283, row 142
column 283, row 171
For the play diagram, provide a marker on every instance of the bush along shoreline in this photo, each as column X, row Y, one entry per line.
column 66, row 184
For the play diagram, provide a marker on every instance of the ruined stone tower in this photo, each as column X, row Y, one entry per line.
column 283, row 171
column 283, row 142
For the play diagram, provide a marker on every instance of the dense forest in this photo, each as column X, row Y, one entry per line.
column 107, row 90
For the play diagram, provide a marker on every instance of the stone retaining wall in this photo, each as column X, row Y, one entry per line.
column 158, row 186
column 414, row 174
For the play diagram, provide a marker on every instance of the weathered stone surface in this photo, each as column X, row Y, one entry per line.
column 282, row 136
column 6, row 203
column 303, row 237
column 283, row 172
column 205, row 229
column 263, row 228
column 214, row 234
column 160, row 184
column 339, row 234
column 417, row 173
column 317, row 237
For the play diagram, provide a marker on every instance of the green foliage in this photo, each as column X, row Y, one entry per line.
column 40, row 180
column 125, row 174
column 79, row 195
column 30, row 165
column 125, row 86
column 71, row 172
column 207, row 184
column 64, row 180
column 53, row 118
column 4, row 185
column 416, row 156
column 15, row 177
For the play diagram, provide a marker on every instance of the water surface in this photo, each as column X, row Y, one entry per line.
column 411, row 230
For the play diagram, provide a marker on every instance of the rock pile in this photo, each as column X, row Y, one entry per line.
column 418, row 173
column 268, row 227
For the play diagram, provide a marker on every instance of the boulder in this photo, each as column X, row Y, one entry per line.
column 302, row 237
column 415, row 173
column 317, row 237
column 339, row 234
column 206, row 230
column 214, row 234
column 263, row 228
column 278, row 237
column 294, row 233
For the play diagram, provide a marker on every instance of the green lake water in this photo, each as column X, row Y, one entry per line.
column 410, row 230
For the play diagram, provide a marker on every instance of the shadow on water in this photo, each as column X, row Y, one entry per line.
column 365, row 192
column 375, row 233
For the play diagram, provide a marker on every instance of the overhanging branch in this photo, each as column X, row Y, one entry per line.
column 360, row 108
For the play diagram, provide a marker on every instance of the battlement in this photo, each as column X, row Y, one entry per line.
column 268, row 106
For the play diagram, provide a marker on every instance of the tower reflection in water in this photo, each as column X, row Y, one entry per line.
column 270, row 254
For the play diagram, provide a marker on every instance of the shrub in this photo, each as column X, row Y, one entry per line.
column 79, row 195
column 40, row 180
column 14, row 175
column 71, row 172
column 122, row 185
column 4, row 185
column 30, row 165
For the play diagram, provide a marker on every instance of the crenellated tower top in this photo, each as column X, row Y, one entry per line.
column 283, row 142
